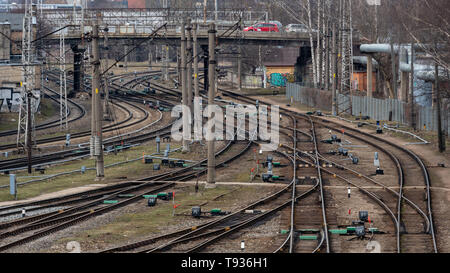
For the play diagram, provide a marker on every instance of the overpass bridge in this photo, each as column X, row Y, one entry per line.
column 173, row 37
column 137, row 24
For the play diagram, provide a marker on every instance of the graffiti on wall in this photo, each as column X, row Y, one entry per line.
column 280, row 79
column 10, row 100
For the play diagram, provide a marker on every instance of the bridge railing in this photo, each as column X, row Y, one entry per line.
column 147, row 17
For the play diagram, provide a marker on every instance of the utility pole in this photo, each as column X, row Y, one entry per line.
column 441, row 136
column 319, row 48
column 96, row 131
column 205, row 67
column 189, row 64
column 205, row 6
column 107, row 113
column 216, row 16
column 166, row 62
column 29, row 123
column 212, row 70
column 335, row 73
column 195, row 50
column 239, row 68
column 186, row 128
column 327, row 56
column 413, row 115
column 26, row 116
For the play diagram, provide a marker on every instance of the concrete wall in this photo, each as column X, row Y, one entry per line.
column 10, row 100
column 5, row 43
column 279, row 69
column 252, row 81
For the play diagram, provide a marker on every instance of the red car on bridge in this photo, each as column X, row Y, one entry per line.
column 266, row 27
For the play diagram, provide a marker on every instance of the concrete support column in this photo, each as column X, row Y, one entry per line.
column 184, row 90
column 125, row 50
column 166, row 62
column 97, row 112
column 433, row 94
column 189, row 64
column 211, row 179
column 369, row 76
column 149, row 55
column 195, row 52
column 404, row 76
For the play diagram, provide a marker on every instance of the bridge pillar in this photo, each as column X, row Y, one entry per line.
column 149, row 55
column 78, row 53
column 125, row 50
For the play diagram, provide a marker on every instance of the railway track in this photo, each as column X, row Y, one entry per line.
column 53, row 123
column 410, row 236
column 409, row 166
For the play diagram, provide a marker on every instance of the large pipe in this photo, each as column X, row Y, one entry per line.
column 421, row 71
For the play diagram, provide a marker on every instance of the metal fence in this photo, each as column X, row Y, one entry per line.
column 309, row 96
column 379, row 109
column 376, row 109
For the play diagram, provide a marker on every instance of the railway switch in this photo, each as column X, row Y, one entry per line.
column 163, row 195
column 269, row 167
column 360, row 231
column 364, row 216
column 379, row 171
column 217, row 212
column 266, row 177
column 148, row 160
column 196, row 212
column 152, row 201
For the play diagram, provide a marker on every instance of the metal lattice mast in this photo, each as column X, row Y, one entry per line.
column 28, row 56
column 347, row 56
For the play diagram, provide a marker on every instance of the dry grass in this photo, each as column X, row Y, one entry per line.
column 130, row 171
